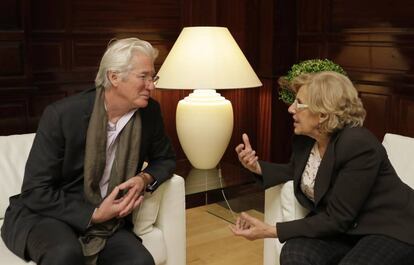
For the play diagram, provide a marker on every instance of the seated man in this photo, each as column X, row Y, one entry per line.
column 83, row 176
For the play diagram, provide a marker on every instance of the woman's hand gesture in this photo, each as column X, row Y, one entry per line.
column 247, row 156
column 252, row 228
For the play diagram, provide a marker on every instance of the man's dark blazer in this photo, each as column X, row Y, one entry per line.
column 53, row 179
column 357, row 191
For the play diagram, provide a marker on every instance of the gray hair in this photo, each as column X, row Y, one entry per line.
column 117, row 58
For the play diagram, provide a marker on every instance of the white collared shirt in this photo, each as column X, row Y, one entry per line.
column 307, row 183
column 113, row 131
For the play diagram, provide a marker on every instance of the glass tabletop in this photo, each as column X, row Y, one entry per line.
column 224, row 176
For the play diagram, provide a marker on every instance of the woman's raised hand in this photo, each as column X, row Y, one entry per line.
column 247, row 156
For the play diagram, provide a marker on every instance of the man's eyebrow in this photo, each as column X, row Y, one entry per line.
column 145, row 72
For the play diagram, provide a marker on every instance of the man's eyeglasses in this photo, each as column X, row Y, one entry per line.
column 148, row 78
column 299, row 106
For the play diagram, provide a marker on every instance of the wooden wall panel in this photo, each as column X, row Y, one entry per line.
column 10, row 15
column 376, row 48
column 350, row 55
column 355, row 14
column 48, row 56
column 394, row 58
column 48, row 16
column 378, row 117
column 51, row 49
column 129, row 15
column 87, row 53
column 13, row 116
column 309, row 50
column 199, row 13
column 311, row 15
column 405, row 121
column 11, row 59
column 54, row 47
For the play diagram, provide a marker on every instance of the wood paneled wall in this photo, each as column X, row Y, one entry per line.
column 51, row 49
column 374, row 41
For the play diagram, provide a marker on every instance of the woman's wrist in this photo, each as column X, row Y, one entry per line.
column 271, row 232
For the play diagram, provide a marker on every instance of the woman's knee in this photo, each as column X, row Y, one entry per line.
column 291, row 253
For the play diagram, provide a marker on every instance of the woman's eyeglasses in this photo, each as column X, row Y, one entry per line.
column 299, row 106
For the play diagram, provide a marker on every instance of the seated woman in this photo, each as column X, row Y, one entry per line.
column 360, row 210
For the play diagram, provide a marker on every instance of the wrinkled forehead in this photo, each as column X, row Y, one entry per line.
column 142, row 63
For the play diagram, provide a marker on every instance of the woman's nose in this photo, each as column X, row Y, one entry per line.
column 292, row 109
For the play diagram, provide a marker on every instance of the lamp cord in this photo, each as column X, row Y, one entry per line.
column 225, row 198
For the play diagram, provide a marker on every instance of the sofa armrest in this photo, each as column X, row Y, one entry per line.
column 171, row 220
column 280, row 206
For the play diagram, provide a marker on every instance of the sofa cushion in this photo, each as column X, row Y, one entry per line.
column 291, row 208
column 145, row 216
column 155, row 244
column 400, row 150
column 14, row 150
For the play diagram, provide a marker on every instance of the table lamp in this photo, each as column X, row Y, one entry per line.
column 205, row 59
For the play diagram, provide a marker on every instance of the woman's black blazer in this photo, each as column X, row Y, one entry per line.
column 357, row 191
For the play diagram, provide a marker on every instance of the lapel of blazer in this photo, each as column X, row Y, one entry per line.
column 324, row 175
column 143, row 134
column 301, row 158
column 90, row 100
column 147, row 121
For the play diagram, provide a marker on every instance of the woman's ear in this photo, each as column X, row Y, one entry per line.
column 113, row 78
column 323, row 117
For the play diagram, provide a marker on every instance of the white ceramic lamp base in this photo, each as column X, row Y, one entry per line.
column 204, row 127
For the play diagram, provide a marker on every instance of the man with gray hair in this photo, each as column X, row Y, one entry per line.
column 83, row 176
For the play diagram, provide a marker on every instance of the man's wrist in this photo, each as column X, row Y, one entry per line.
column 94, row 218
column 148, row 179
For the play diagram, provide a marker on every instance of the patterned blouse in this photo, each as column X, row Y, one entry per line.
column 307, row 183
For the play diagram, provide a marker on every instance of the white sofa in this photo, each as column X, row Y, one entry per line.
column 160, row 221
column 281, row 204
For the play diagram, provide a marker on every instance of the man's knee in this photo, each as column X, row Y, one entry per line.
column 63, row 254
column 144, row 259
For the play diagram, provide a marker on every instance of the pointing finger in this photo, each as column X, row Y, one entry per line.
column 246, row 141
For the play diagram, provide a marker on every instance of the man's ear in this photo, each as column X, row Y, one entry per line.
column 113, row 78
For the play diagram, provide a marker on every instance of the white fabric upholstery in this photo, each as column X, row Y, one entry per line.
column 400, row 150
column 14, row 150
column 145, row 216
column 281, row 204
column 160, row 221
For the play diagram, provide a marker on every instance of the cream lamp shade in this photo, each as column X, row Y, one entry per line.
column 205, row 59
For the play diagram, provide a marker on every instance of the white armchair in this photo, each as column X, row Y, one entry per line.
column 281, row 204
column 160, row 221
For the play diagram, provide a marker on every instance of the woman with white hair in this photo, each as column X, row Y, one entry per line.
column 360, row 210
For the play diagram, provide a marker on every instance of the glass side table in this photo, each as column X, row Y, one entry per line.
column 208, row 186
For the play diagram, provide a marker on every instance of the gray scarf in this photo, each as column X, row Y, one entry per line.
column 123, row 168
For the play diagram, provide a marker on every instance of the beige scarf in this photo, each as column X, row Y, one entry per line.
column 123, row 168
